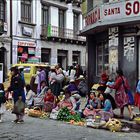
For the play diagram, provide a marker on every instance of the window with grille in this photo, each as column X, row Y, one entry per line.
column 26, row 10
column 2, row 10
column 61, row 18
column 61, row 22
column 102, row 58
column 75, row 22
column 45, row 15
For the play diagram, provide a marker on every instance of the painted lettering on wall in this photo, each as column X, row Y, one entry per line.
column 93, row 17
column 132, row 8
column 112, row 11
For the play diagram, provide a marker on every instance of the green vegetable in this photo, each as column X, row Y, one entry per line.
column 65, row 115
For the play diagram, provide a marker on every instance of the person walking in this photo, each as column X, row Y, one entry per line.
column 121, row 97
column 17, row 88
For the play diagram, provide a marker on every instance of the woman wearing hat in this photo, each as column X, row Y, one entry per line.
column 82, row 86
column 17, row 86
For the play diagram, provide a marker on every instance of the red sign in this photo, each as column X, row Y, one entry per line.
column 111, row 12
column 132, row 8
column 29, row 44
column 93, row 17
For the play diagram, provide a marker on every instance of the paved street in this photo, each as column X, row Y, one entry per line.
column 38, row 129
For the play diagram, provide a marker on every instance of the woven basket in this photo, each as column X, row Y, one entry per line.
column 35, row 112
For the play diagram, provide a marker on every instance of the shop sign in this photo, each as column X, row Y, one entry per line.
column 93, row 16
column 113, row 11
column 26, row 44
column 31, row 50
column 27, row 31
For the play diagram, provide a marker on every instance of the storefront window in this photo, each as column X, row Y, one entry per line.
column 27, row 54
column 102, row 58
column 2, row 10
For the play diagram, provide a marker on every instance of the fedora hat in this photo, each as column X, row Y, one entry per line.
column 81, row 77
column 72, row 80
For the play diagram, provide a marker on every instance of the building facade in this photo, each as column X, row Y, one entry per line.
column 112, row 28
column 5, row 39
column 46, row 31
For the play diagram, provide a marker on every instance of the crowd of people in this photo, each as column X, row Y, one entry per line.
column 56, row 89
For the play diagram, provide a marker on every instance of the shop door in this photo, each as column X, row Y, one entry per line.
column 76, row 57
column 62, row 59
column 45, row 55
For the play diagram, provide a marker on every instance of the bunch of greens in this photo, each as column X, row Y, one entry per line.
column 65, row 115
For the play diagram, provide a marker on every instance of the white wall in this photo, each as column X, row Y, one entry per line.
column 69, row 17
column 54, row 16
column 38, row 19
column 16, row 17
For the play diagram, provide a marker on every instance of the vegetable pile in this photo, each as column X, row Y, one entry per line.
column 65, row 115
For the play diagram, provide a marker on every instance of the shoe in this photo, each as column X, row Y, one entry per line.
column 15, row 121
column 0, row 121
column 20, row 121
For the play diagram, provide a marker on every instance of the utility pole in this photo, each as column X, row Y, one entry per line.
column 11, row 32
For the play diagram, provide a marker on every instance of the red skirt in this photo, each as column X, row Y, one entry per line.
column 137, row 99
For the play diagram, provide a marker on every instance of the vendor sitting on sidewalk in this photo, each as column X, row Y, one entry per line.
column 106, row 112
column 92, row 104
column 68, row 102
column 49, row 101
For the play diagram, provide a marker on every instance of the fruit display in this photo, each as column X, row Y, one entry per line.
column 137, row 120
column 44, row 115
column 36, row 112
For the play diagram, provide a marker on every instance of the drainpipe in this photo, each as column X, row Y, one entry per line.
column 11, row 32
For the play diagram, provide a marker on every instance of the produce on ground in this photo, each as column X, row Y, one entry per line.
column 65, row 115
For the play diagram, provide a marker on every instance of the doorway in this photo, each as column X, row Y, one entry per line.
column 62, row 58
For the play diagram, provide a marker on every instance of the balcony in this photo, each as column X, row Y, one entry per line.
column 49, row 31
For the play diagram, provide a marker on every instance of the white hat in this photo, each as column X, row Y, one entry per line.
column 72, row 80
column 81, row 77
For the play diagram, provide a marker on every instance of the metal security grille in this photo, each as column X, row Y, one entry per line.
column 45, row 15
column 2, row 10
column 26, row 10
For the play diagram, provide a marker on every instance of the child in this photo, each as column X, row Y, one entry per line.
column 19, row 110
column 29, row 96
column 2, row 100
column 93, row 103
column 49, row 101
